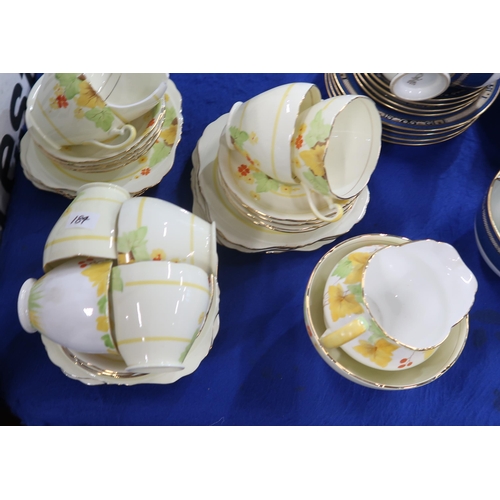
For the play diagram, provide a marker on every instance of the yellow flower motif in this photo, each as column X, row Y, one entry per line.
column 296, row 162
column 102, row 323
column 256, row 164
column 342, row 304
column 359, row 260
column 169, row 134
column 98, row 274
column 166, row 97
column 302, row 129
column 88, row 97
column 79, row 113
column 313, row 158
column 158, row 254
column 285, row 188
column 254, row 195
column 58, row 90
column 248, row 179
column 253, row 138
column 143, row 159
column 53, row 103
column 379, row 353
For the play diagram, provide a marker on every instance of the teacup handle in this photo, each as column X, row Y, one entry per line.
column 317, row 213
column 335, row 338
column 227, row 132
column 131, row 137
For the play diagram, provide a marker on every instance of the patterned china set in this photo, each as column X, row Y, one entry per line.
column 130, row 292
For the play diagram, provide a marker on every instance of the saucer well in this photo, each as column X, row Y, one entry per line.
column 234, row 229
column 135, row 177
column 439, row 363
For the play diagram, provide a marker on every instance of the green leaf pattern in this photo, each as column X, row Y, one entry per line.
column 102, row 117
column 343, row 268
column 159, row 152
column 318, row 183
column 319, row 131
column 116, row 280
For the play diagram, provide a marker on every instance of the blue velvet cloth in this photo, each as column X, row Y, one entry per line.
column 263, row 368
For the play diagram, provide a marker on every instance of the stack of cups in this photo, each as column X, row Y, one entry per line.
column 129, row 277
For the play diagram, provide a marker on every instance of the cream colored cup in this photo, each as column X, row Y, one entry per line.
column 70, row 305
column 88, row 226
column 66, row 111
column 129, row 95
column 336, row 147
column 261, row 129
column 154, row 229
column 391, row 307
column 158, row 310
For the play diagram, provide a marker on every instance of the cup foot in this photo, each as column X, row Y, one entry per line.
column 145, row 368
column 22, row 305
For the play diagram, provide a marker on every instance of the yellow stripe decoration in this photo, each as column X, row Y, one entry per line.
column 167, row 282
column 152, row 339
column 275, row 128
column 140, row 212
column 82, row 237
column 53, row 125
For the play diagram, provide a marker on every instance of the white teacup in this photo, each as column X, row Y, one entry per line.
column 158, row 310
column 70, row 305
column 261, row 129
column 129, row 95
column 154, row 229
column 418, row 86
column 88, row 226
column 66, row 111
column 390, row 307
column 336, row 147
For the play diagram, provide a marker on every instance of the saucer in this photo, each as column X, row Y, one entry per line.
column 96, row 369
column 236, row 231
column 135, row 177
column 438, row 364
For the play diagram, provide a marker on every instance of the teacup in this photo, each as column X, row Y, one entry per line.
column 487, row 226
column 417, row 86
column 129, row 95
column 70, row 306
column 154, row 229
column 158, row 310
column 66, row 111
column 261, row 129
column 88, row 226
column 391, row 307
column 336, row 148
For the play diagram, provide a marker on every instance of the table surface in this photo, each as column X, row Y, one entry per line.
column 263, row 368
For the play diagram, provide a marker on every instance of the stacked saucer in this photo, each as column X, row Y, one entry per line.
column 286, row 170
column 417, row 123
column 139, row 165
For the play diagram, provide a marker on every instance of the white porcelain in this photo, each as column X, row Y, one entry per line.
column 158, row 309
column 260, row 130
column 88, row 226
column 336, row 147
column 129, row 95
column 97, row 369
column 346, row 366
column 391, row 307
column 69, row 305
column 418, row 86
column 135, row 177
column 64, row 110
column 235, row 231
column 153, row 229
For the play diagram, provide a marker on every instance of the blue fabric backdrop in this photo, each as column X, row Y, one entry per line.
column 263, row 369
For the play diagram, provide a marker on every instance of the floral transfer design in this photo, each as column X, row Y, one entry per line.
column 309, row 144
column 89, row 105
column 97, row 273
column 164, row 144
column 132, row 247
column 249, row 171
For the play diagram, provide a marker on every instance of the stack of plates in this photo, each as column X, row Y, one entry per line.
column 416, row 123
column 245, row 222
column 142, row 165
